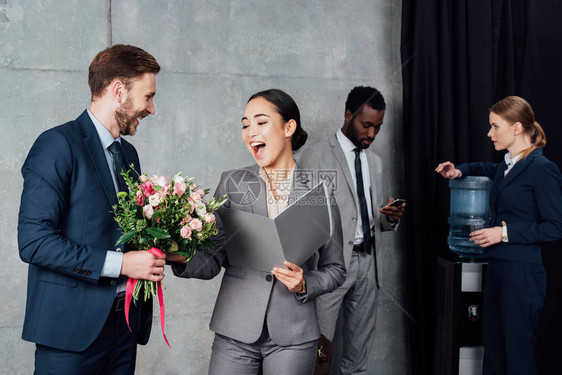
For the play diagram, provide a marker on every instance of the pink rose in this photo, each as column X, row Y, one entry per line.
column 185, row 220
column 200, row 191
column 191, row 205
column 196, row 225
column 140, row 198
column 143, row 178
column 159, row 180
column 195, row 196
column 180, row 188
column 148, row 211
column 147, row 189
column 165, row 190
column 185, row 232
column 209, row 218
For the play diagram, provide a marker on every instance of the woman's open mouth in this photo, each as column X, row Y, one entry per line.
column 258, row 147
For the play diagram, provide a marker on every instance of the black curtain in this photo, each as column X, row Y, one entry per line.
column 459, row 57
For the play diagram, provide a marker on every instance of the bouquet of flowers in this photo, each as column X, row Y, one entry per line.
column 168, row 215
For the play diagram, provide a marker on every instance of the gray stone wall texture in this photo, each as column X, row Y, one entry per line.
column 214, row 55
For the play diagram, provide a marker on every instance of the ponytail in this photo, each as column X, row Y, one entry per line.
column 538, row 140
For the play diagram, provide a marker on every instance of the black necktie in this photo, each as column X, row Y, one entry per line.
column 115, row 150
column 362, row 203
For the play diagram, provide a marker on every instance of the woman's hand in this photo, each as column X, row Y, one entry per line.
column 448, row 170
column 175, row 258
column 292, row 277
column 487, row 236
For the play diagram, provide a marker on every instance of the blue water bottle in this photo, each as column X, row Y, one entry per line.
column 469, row 211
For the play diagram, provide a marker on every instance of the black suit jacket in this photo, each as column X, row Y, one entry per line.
column 528, row 199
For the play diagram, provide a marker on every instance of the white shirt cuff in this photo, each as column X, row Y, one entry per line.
column 112, row 264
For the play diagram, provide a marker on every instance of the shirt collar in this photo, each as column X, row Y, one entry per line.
column 106, row 138
column 288, row 179
column 345, row 143
column 509, row 160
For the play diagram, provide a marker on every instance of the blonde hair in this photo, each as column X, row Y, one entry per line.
column 516, row 109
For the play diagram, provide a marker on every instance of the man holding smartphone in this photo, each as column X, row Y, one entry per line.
column 356, row 182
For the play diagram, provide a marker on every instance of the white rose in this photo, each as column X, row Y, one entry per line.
column 154, row 200
column 201, row 210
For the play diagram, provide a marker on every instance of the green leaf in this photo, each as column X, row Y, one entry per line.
column 210, row 244
column 157, row 233
column 126, row 237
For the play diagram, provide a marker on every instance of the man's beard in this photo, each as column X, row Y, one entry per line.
column 126, row 118
column 354, row 137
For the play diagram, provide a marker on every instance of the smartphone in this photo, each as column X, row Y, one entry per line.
column 396, row 202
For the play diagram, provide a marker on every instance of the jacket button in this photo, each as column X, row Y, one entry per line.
column 268, row 278
column 350, row 243
column 354, row 219
column 113, row 282
column 118, row 249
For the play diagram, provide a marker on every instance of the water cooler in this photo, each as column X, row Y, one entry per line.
column 459, row 282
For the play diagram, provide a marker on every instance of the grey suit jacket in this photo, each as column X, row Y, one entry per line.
column 249, row 299
column 326, row 161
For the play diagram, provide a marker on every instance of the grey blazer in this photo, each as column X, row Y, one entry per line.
column 326, row 161
column 249, row 299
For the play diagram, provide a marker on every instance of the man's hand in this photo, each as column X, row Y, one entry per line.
column 392, row 213
column 143, row 265
column 448, row 170
column 292, row 277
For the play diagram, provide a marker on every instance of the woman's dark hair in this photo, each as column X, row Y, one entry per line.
column 288, row 110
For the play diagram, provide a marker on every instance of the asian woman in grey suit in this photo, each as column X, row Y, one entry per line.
column 267, row 319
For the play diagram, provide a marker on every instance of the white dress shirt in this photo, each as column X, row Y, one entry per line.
column 510, row 161
column 348, row 147
column 113, row 259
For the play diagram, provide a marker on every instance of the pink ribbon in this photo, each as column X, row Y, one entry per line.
column 132, row 283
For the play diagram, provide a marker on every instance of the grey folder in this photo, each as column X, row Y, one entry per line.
column 261, row 243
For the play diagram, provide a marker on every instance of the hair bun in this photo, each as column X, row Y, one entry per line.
column 299, row 138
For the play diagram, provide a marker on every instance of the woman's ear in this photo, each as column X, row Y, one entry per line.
column 290, row 127
column 517, row 128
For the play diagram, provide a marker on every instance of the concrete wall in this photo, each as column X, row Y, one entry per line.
column 214, row 55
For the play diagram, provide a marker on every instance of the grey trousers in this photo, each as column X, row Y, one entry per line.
column 357, row 298
column 233, row 357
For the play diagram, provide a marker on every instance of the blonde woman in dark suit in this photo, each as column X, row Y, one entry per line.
column 526, row 202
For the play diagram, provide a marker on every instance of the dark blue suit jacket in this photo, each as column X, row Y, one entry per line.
column 528, row 199
column 65, row 229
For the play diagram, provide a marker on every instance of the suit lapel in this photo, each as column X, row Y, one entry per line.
column 301, row 184
column 259, row 206
column 502, row 181
column 95, row 151
column 342, row 162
